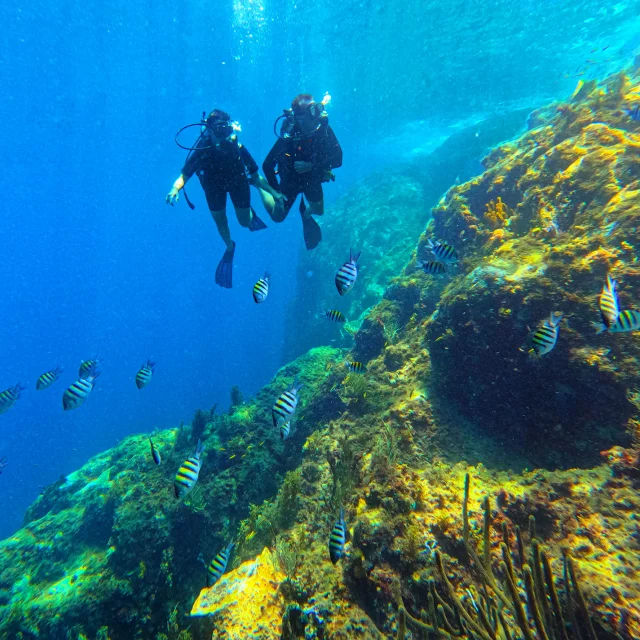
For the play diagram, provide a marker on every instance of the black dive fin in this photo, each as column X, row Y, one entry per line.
column 224, row 272
column 256, row 223
column 311, row 231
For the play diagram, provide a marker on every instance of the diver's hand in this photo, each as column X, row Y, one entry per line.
column 279, row 197
column 302, row 167
column 173, row 196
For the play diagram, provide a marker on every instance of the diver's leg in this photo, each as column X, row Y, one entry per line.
column 315, row 199
column 268, row 201
column 220, row 218
column 281, row 208
column 241, row 197
column 315, row 208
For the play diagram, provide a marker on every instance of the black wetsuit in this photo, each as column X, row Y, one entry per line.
column 321, row 148
column 222, row 169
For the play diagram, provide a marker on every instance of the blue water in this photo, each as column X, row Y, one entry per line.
column 94, row 263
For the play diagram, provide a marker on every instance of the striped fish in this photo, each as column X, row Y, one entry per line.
column 187, row 475
column 432, row 268
column 338, row 538
column 285, row 430
column 443, row 252
column 143, row 377
column 285, row 405
column 218, row 565
column 9, row 396
column 48, row 378
column 608, row 302
column 347, row 273
column 334, row 315
column 544, row 338
column 155, row 454
column 355, row 367
column 87, row 367
column 628, row 320
column 79, row 391
column 261, row 288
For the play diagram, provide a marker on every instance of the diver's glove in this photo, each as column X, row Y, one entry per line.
column 328, row 177
column 173, row 196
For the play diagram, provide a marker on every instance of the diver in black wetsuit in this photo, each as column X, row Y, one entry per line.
column 304, row 154
column 224, row 166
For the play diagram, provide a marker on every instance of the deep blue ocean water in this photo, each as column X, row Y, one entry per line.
column 94, row 263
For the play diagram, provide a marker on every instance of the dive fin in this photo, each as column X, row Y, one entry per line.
column 256, row 223
column 224, row 272
column 312, row 232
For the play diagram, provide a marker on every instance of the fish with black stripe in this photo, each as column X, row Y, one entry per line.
column 338, row 538
column 443, row 252
column 544, row 338
column 334, row 315
column 218, row 565
column 432, row 267
column 188, row 473
column 608, row 303
column 143, row 377
column 48, row 378
column 261, row 288
column 347, row 273
column 9, row 396
column 155, row 453
column 628, row 320
column 355, row 367
column 87, row 367
column 285, row 406
column 285, row 430
column 79, row 391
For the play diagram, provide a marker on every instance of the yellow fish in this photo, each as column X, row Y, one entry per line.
column 232, row 457
column 250, row 536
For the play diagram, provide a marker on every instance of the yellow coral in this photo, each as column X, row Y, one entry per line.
column 497, row 213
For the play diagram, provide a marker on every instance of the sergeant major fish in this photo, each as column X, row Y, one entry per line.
column 79, row 391
column 48, row 378
column 261, row 288
column 218, row 565
column 143, row 377
column 443, row 252
column 544, row 338
column 338, row 538
column 285, row 405
column 9, row 396
column 285, row 430
column 334, row 315
column 355, row 367
column 432, row 268
column 347, row 273
column 628, row 320
column 608, row 302
column 87, row 367
column 188, row 473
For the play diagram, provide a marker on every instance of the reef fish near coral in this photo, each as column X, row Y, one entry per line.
column 79, row 391
column 143, row 377
column 609, row 307
column 355, row 367
column 338, row 538
column 628, row 320
column 443, row 252
column 285, row 430
column 261, row 288
column 188, row 473
column 218, row 565
column 87, row 367
column 9, row 396
column 347, row 274
column 285, row 406
column 155, row 454
column 335, row 315
column 432, row 268
column 545, row 337
column 48, row 378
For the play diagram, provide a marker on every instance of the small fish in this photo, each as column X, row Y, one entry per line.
column 285, row 430
column 338, row 538
column 87, row 367
column 347, row 273
column 48, row 378
column 444, row 252
column 261, row 288
column 155, row 454
column 355, row 367
column 233, row 456
column 628, row 320
column 9, row 396
column 285, row 405
column 432, row 268
column 79, row 391
column 143, row 377
column 633, row 112
column 608, row 302
column 250, row 536
column 218, row 565
column 334, row 315
column 187, row 475
column 545, row 337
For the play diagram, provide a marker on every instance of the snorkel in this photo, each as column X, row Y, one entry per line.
column 291, row 117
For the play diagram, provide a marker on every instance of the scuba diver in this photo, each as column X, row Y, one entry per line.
column 303, row 156
column 223, row 166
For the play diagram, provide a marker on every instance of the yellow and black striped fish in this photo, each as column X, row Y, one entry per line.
column 218, row 565
column 155, row 454
column 432, row 268
column 87, row 367
column 143, row 377
column 544, row 338
column 48, row 378
column 628, row 320
column 608, row 301
column 261, row 288
column 334, row 315
column 285, row 430
column 285, row 405
column 443, row 252
column 79, row 391
column 355, row 367
column 338, row 538
column 347, row 273
column 188, row 473
column 9, row 396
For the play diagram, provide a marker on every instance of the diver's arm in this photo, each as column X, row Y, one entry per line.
column 270, row 162
column 187, row 171
column 173, row 195
column 332, row 158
